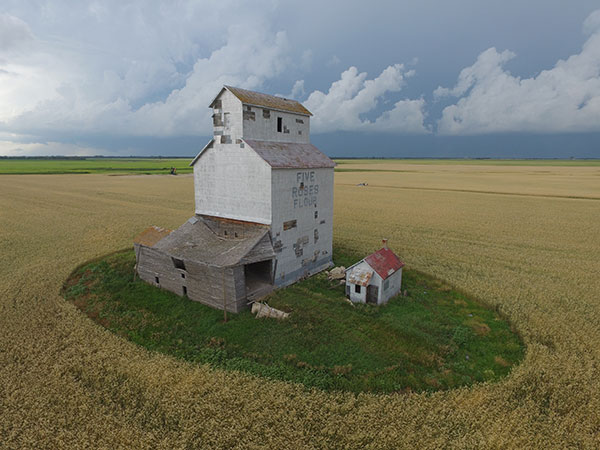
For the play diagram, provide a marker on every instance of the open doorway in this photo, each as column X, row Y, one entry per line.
column 259, row 279
column 372, row 294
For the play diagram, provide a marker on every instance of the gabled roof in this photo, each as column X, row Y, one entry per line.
column 195, row 241
column 384, row 262
column 209, row 145
column 151, row 236
column 287, row 155
column 266, row 100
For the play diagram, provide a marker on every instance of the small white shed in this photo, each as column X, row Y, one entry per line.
column 375, row 279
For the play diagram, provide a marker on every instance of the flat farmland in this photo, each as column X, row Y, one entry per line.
column 523, row 239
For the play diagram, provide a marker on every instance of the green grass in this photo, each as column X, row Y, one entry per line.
column 25, row 166
column 435, row 338
column 11, row 166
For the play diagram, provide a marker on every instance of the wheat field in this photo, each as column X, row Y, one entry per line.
column 525, row 240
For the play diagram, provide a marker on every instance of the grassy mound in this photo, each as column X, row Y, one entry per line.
column 435, row 338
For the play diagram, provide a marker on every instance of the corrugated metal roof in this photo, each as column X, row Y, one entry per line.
column 287, row 155
column 197, row 242
column 360, row 275
column 151, row 236
column 384, row 262
column 268, row 101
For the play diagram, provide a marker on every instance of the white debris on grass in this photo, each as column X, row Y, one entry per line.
column 264, row 310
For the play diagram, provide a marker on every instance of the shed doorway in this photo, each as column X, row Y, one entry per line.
column 259, row 280
column 372, row 294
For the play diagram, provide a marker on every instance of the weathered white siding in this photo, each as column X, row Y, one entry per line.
column 233, row 182
column 359, row 297
column 306, row 246
column 295, row 127
column 227, row 120
column 393, row 287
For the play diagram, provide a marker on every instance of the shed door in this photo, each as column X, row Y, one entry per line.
column 372, row 294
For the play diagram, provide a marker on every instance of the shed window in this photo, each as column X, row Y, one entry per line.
column 178, row 263
column 386, row 285
column 357, row 288
column 279, row 124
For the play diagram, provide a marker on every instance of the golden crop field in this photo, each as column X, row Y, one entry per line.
column 526, row 240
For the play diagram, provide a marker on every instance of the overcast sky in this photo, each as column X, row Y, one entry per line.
column 398, row 78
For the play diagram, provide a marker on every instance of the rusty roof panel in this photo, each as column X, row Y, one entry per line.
column 287, row 155
column 384, row 262
column 151, row 236
column 360, row 275
column 268, row 101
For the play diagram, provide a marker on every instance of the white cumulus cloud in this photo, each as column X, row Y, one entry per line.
column 565, row 98
column 354, row 95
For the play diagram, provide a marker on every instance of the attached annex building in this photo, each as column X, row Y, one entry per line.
column 375, row 279
column 263, row 204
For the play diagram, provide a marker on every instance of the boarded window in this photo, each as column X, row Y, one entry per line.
column 357, row 288
column 289, row 225
column 249, row 115
column 225, row 139
column 178, row 263
column 266, row 114
column 279, row 124
column 217, row 120
column 217, row 104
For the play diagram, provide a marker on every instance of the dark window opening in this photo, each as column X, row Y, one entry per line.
column 316, row 214
column 299, row 121
column 302, row 185
column 386, row 285
column 183, row 275
column 316, row 235
column 224, row 232
column 185, row 291
column 157, row 280
column 235, row 234
column 279, row 124
column 217, row 104
column 299, row 131
column 258, row 277
column 266, row 114
column 289, row 225
column 178, row 263
column 249, row 108
column 357, row 288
